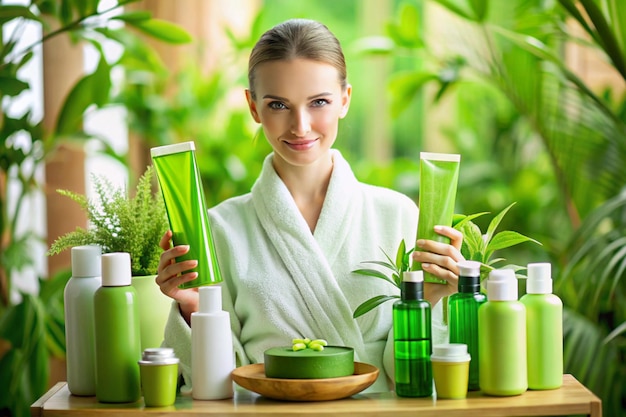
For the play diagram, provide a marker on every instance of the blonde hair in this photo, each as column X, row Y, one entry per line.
column 297, row 38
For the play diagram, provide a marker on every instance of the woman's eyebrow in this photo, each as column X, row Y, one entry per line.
column 273, row 97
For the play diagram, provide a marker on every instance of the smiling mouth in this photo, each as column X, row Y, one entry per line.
column 300, row 144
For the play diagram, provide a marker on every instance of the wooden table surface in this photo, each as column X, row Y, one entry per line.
column 571, row 398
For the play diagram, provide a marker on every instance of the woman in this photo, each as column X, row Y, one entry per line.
column 286, row 249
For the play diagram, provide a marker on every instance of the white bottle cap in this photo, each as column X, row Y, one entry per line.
column 116, row 269
column 86, row 261
column 413, row 276
column 210, row 299
column 539, row 278
column 450, row 352
column 469, row 268
column 502, row 285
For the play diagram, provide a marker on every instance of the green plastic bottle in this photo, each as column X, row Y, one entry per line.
column 502, row 337
column 412, row 339
column 544, row 329
column 463, row 315
column 118, row 343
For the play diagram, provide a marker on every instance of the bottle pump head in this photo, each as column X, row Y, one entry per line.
column 502, row 285
column 539, row 278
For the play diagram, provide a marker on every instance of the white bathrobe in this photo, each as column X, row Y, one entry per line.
column 282, row 282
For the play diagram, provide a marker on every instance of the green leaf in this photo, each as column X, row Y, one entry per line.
column 451, row 6
column 91, row 89
column 480, row 9
column 400, row 253
column 135, row 16
column 505, row 240
column 10, row 12
column 495, row 222
column 387, row 265
column 404, row 87
column 372, row 303
column 11, row 86
column 373, row 273
column 460, row 220
column 163, row 30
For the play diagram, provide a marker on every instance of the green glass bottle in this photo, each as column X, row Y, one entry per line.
column 412, row 339
column 463, row 315
column 544, row 329
column 502, row 337
column 118, row 343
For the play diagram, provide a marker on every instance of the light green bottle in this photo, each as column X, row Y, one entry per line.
column 118, row 343
column 544, row 329
column 502, row 337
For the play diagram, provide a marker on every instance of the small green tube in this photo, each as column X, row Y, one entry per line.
column 180, row 182
column 439, row 174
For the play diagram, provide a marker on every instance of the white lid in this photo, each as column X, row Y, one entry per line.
column 469, row 268
column 445, row 157
column 413, row 276
column 450, row 352
column 502, row 285
column 210, row 299
column 539, row 278
column 86, row 261
column 116, row 269
column 170, row 149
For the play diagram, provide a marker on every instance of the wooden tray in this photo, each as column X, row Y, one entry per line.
column 252, row 377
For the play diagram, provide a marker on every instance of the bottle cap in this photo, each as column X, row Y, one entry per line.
column 116, row 269
column 469, row 268
column 210, row 299
column 158, row 356
column 413, row 276
column 502, row 285
column 450, row 352
column 86, row 261
column 539, row 278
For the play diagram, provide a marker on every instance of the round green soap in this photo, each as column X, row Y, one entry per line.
column 332, row 362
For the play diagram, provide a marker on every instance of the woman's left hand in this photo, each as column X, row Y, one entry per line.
column 440, row 260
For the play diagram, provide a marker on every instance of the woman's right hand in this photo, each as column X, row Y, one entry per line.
column 170, row 276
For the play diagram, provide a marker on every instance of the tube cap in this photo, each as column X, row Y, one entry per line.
column 86, row 261
column 158, row 356
column 502, row 285
column 210, row 299
column 170, row 149
column 413, row 276
column 539, row 278
column 116, row 269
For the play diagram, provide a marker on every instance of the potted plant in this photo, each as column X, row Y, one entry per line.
column 121, row 223
column 476, row 247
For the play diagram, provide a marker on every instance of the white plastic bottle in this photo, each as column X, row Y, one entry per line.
column 212, row 358
column 79, row 319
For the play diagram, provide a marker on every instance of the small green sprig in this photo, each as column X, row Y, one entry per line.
column 315, row 344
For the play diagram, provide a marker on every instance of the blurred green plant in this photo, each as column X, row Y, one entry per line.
column 513, row 53
column 477, row 246
column 26, row 331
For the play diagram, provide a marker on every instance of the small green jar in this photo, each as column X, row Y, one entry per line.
column 159, row 376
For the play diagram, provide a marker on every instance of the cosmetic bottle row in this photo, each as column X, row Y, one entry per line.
column 511, row 345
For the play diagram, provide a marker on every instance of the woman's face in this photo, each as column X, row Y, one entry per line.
column 299, row 103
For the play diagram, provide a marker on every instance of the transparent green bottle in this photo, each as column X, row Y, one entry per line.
column 412, row 339
column 463, row 315
column 502, row 337
column 544, row 329
column 118, row 343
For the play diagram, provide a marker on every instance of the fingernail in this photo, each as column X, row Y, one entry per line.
column 425, row 265
column 438, row 228
column 420, row 243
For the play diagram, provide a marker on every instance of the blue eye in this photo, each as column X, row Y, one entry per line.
column 320, row 102
column 276, row 105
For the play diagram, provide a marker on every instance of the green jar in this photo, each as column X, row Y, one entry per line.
column 159, row 376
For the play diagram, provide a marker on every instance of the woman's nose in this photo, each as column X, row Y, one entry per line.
column 300, row 123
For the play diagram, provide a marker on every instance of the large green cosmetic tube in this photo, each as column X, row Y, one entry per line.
column 439, row 174
column 180, row 182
